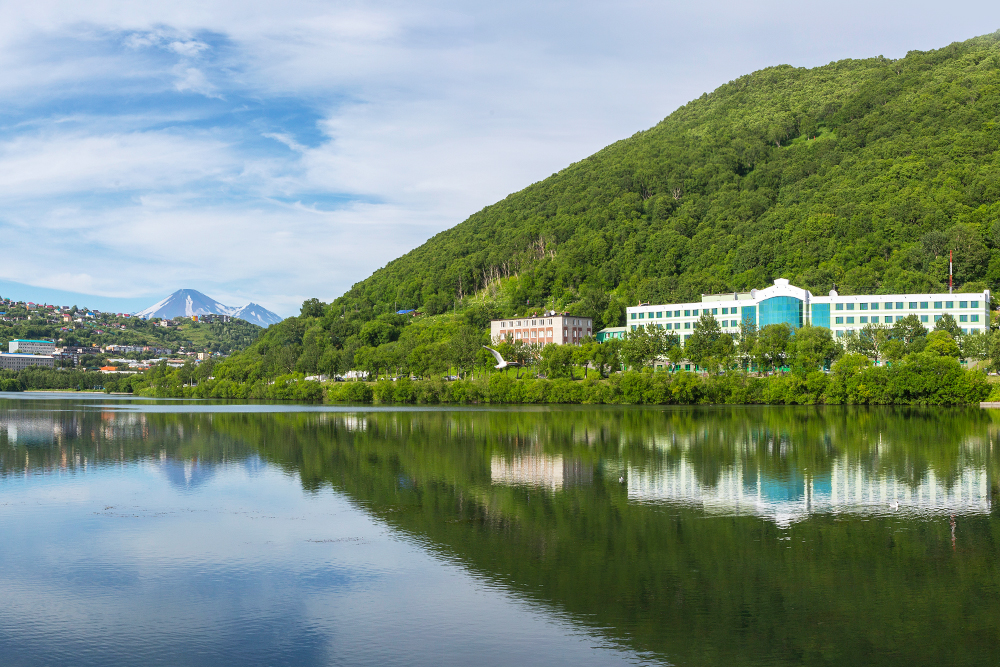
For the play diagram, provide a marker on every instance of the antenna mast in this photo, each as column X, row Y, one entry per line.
column 950, row 258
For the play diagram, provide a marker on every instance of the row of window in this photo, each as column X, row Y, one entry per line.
column 534, row 323
column 913, row 305
column 863, row 319
column 844, row 332
column 687, row 325
column 661, row 314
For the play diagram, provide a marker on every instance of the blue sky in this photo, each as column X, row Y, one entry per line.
column 273, row 152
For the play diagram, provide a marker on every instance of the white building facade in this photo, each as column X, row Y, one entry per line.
column 20, row 346
column 783, row 303
column 15, row 362
column 560, row 329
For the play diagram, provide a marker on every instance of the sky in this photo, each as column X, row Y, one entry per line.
column 278, row 151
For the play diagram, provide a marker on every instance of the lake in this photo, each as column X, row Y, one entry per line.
column 138, row 532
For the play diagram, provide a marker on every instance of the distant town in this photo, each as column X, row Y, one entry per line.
column 70, row 337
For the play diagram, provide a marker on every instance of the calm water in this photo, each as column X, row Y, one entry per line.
column 176, row 533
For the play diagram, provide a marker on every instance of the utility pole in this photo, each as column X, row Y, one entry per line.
column 950, row 258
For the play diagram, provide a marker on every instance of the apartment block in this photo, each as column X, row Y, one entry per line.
column 562, row 329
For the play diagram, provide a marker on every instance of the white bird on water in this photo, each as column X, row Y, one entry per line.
column 894, row 505
column 501, row 364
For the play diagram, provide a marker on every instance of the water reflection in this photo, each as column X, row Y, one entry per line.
column 701, row 536
column 852, row 485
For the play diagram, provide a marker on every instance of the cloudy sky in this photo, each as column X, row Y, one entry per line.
column 276, row 151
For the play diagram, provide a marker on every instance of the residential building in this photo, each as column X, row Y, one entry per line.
column 14, row 362
column 31, row 346
column 797, row 307
column 563, row 329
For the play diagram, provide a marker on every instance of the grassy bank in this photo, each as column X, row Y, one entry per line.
column 920, row 379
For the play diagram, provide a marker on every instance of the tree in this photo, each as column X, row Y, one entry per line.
column 643, row 345
column 813, row 348
column 870, row 341
column 942, row 344
column 771, row 350
column 312, row 308
column 747, row 343
column 948, row 323
column 908, row 330
column 557, row 360
column 708, row 347
column 607, row 355
column 463, row 348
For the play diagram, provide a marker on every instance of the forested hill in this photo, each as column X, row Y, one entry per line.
column 863, row 173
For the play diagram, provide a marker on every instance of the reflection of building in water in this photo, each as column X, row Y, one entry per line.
column 850, row 487
column 551, row 472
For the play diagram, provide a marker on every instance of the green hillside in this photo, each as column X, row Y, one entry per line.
column 863, row 173
column 860, row 173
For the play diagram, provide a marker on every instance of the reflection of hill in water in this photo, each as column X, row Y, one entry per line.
column 738, row 536
column 644, row 562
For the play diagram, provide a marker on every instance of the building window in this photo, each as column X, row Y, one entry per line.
column 874, row 306
column 973, row 304
column 633, row 317
column 642, row 315
column 659, row 314
column 899, row 305
column 687, row 325
column 888, row 319
column 937, row 305
column 725, row 311
column 937, row 318
column 923, row 305
column 923, row 318
column 899, row 318
column 949, row 304
column 564, row 332
column 913, row 305
column 715, row 311
column 687, row 313
column 840, row 320
column 839, row 306
column 850, row 306
column 975, row 318
column 863, row 319
column 964, row 330
column 850, row 320
column 888, row 305
column 963, row 304
column 863, row 306
column 963, row 318
column 840, row 334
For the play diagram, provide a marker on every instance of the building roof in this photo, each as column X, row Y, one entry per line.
column 26, row 356
column 28, row 340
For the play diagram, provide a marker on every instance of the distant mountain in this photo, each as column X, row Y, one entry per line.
column 256, row 314
column 188, row 302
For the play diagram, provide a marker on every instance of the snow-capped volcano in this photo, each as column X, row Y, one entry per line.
column 188, row 302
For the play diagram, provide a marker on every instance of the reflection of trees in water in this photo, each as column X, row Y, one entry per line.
column 694, row 589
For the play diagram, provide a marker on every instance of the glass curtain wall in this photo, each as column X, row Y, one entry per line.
column 781, row 310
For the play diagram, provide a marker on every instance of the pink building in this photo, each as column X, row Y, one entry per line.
column 562, row 329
